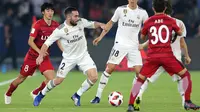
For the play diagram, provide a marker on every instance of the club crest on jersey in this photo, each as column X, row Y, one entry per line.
column 125, row 12
column 66, row 30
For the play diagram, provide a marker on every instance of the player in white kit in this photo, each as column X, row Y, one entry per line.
column 130, row 19
column 178, row 44
column 72, row 37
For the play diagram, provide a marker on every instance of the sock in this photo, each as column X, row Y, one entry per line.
column 50, row 85
column 37, row 90
column 84, row 87
column 187, row 85
column 102, row 84
column 142, row 89
column 135, row 90
column 134, row 80
column 11, row 90
column 181, row 91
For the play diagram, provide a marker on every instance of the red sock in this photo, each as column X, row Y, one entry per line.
column 187, row 85
column 135, row 90
column 37, row 90
column 11, row 89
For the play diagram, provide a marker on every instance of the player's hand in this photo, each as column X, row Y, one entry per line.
column 187, row 60
column 96, row 41
column 140, row 47
column 39, row 60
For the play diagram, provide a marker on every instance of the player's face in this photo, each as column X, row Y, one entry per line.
column 74, row 18
column 48, row 13
column 132, row 2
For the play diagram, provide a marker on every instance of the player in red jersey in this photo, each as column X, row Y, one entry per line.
column 159, row 30
column 39, row 33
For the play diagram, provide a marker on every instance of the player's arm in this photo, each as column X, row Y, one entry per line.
column 108, row 26
column 185, row 51
column 59, row 45
column 178, row 30
column 32, row 44
column 52, row 38
column 144, row 45
column 99, row 25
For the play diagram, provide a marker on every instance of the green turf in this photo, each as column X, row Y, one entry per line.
column 162, row 96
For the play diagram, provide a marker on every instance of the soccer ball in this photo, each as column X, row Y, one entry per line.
column 115, row 98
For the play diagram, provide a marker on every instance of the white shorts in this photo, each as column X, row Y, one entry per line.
column 118, row 52
column 160, row 70
column 85, row 63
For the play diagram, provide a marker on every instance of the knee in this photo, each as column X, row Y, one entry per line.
column 58, row 81
column 110, row 68
column 142, row 77
column 93, row 77
column 19, row 80
column 137, row 69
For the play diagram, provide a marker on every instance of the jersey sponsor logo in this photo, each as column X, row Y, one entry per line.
column 75, row 39
column 130, row 23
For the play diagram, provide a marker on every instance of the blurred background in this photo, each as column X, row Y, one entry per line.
column 21, row 13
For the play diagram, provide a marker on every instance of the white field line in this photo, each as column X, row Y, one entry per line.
column 9, row 81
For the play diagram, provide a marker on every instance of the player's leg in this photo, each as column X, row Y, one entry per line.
column 13, row 86
column 46, row 68
column 87, row 65
column 27, row 69
column 172, row 65
column 62, row 72
column 148, row 69
column 116, row 56
column 151, row 79
column 177, row 79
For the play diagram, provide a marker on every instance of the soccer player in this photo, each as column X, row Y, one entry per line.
column 130, row 18
column 177, row 45
column 72, row 38
column 159, row 30
column 39, row 33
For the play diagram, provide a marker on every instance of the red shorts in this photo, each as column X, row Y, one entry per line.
column 29, row 66
column 171, row 65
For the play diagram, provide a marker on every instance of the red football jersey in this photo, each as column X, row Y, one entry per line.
column 159, row 29
column 41, row 31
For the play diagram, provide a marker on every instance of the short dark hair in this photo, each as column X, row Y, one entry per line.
column 159, row 5
column 47, row 5
column 69, row 10
column 169, row 7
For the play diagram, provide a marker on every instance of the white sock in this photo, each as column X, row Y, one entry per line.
column 181, row 91
column 143, row 89
column 102, row 84
column 50, row 85
column 84, row 87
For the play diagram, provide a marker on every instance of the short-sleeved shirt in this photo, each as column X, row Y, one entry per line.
column 41, row 31
column 159, row 30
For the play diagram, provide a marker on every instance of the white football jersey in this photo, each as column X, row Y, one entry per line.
column 72, row 38
column 129, row 25
column 176, row 48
